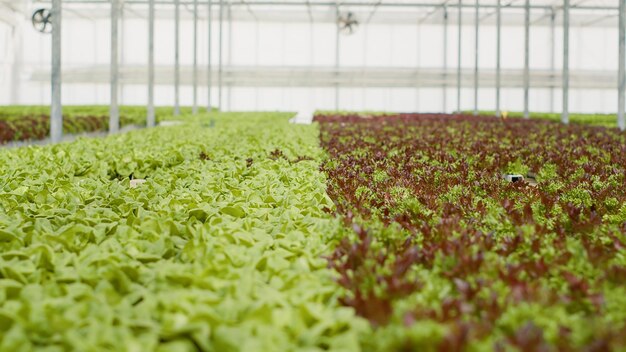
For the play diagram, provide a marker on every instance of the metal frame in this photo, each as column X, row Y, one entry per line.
column 476, row 50
column 566, row 8
column 229, row 63
column 459, row 49
column 195, row 57
column 379, row 4
column 151, row 116
column 220, row 72
column 210, row 55
column 444, row 102
column 552, row 53
column 56, row 109
column 526, row 58
column 498, row 56
column 337, row 53
column 114, row 111
column 565, row 74
column 621, row 122
column 176, row 57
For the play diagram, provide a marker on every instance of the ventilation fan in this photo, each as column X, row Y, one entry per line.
column 347, row 23
column 42, row 20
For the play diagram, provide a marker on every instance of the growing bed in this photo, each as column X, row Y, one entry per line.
column 385, row 233
column 24, row 123
column 447, row 254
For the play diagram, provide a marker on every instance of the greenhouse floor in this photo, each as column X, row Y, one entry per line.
column 370, row 232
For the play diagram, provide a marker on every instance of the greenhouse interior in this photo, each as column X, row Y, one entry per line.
column 312, row 175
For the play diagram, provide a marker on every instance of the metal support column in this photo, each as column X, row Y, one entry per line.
column 477, row 19
column 220, row 71
column 552, row 56
column 621, row 123
column 526, row 57
column 210, row 54
column 458, row 69
column 565, row 112
column 498, row 56
column 176, row 57
column 114, row 111
column 151, row 118
column 195, row 57
column 56, row 110
column 444, row 102
column 337, row 49
column 229, row 90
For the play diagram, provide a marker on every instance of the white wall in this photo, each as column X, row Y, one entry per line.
column 86, row 42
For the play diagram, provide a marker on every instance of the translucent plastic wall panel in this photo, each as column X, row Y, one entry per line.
column 512, row 47
column 6, row 61
column 430, row 46
column 593, row 48
column 134, row 46
column 86, row 45
column 429, row 100
column 288, row 45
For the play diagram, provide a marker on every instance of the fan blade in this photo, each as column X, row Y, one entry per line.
column 38, row 16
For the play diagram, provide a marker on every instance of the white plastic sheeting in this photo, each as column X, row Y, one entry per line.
column 380, row 45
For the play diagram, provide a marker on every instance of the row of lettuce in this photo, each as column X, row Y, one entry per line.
column 220, row 249
column 22, row 123
column 406, row 238
column 446, row 254
column 606, row 120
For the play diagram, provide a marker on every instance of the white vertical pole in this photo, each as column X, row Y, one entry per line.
column 151, row 118
column 220, row 71
column 444, row 102
column 565, row 112
column 337, row 49
column 176, row 57
column 552, row 56
column 229, row 90
column 195, row 57
column 526, row 57
column 210, row 59
column 114, row 118
column 122, row 52
column 458, row 69
column 477, row 19
column 56, row 109
column 621, row 122
column 498, row 56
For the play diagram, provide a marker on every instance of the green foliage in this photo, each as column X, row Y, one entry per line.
column 607, row 120
column 19, row 123
column 213, row 253
column 448, row 256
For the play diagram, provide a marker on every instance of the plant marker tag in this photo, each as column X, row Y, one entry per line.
column 136, row 182
column 513, row 177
